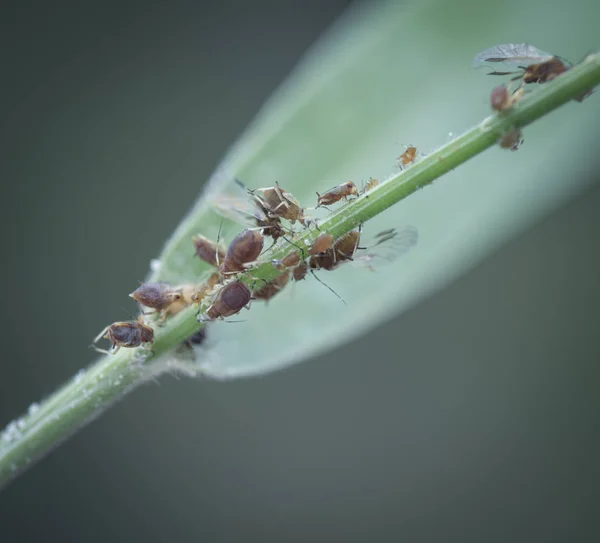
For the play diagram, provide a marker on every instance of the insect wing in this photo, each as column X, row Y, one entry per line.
column 239, row 208
column 387, row 247
column 512, row 54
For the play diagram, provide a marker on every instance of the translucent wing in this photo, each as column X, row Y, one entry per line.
column 386, row 247
column 515, row 54
column 237, row 205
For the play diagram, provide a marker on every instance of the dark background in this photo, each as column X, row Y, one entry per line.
column 473, row 416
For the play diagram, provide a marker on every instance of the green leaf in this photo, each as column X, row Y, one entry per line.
column 384, row 77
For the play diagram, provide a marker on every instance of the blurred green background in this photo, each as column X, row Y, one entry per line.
column 473, row 416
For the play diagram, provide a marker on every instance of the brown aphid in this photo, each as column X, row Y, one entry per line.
column 291, row 259
column 370, row 184
column 157, row 296
column 196, row 339
column 407, row 157
column 346, row 246
column 271, row 227
column 125, row 334
column 322, row 243
column 267, row 291
column 208, row 250
column 511, row 140
column 243, row 249
column 544, row 71
column 288, row 261
column 278, row 203
column 342, row 250
column 581, row 97
column 500, row 98
column 300, row 271
column 336, row 194
column 229, row 300
column 536, row 66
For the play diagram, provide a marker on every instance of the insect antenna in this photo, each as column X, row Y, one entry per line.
column 296, row 245
column 217, row 243
column 327, row 286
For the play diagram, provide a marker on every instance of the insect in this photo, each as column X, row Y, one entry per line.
column 125, row 334
column 196, row 339
column 535, row 65
column 293, row 261
column 336, row 194
column 188, row 345
column 370, row 184
column 229, row 300
column 322, row 243
column 244, row 208
column 408, row 157
column 278, row 203
column 267, row 291
column 243, row 249
column 511, row 140
column 157, row 296
column 391, row 244
column 501, row 100
column 343, row 249
column 208, row 250
column 192, row 293
column 300, row 271
column 271, row 226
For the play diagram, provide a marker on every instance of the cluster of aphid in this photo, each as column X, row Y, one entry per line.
column 227, row 287
column 229, row 294
column 534, row 66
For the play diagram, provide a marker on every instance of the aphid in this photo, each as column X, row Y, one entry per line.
column 291, row 259
column 157, row 296
column 346, row 248
column 343, row 249
column 196, row 339
column 501, row 100
column 336, row 194
column 581, row 97
column 300, row 271
column 267, row 291
column 370, row 184
column 288, row 261
column 208, row 250
column 322, row 243
column 243, row 249
column 544, row 71
column 245, row 207
column 278, row 203
column 407, row 157
column 535, row 66
column 193, row 293
column 511, row 140
column 229, row 300
column 271, row 226
column 125, row 334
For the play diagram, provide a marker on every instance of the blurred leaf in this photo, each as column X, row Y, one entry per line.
column 388, row 75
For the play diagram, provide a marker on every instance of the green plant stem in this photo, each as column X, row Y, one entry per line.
column 92, row 391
